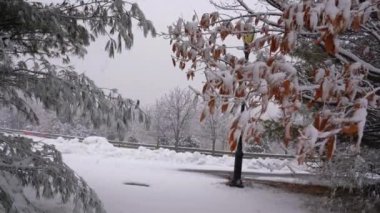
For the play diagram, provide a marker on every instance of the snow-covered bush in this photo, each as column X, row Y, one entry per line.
column 189, row 141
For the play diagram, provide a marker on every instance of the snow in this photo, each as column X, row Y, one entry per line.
column 308, row 138
column 319, row 74
column 276, row 79
column 299, row 19
column 263, row 87
column 108, row 170
column 98, row 146
column 292, row 37
column 331, row 10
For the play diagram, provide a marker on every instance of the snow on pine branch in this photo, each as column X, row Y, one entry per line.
column 28, row 166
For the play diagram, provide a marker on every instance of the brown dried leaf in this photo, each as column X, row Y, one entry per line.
column 224, row 107
column 324, row 124
column 216, row 53
column 173, row 60
column 270, row 61
column 235, row 123
column 284, row 47
column 286, row 13
column 224, row 34
column 318, row 92
column 205, row 87
column 288, row 134
column 317, row 122
column 260, row 43
column 273, row 44
column 182, row 65
column 339, row 23
column 190, row 75
column 190, row 54
column 231, row 139
column 203, row 115
column 214, row 17
column 240, row 93
column 330, row 147
column 205, row 21
column 211, row 106
column 329, row 43
column 279, row 21
column 287, row 87
column 257, row 20
column 351, row 129
column 257, row 139
column 356, row 22
column 237, row 30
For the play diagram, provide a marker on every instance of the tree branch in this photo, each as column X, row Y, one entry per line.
column 374, row 71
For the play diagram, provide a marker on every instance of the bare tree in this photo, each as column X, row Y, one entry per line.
column 214, row 129
column 173, row 114
column 159, row 126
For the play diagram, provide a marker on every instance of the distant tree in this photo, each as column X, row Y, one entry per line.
column 160, row 125
column 32, row 35
column 173, row 114
column 214, row 129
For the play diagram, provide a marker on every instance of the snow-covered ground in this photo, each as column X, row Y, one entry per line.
column 162, row 187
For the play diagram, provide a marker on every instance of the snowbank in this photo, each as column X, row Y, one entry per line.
column 99, row 146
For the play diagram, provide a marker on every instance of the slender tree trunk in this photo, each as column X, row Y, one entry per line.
column 213, row 145
column 176, row 145
column 213, row 133
column 176, row 141
column 236, row 179
column 246, row 51
column 158, row 143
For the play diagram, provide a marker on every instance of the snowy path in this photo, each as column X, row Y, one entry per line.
column 106, row 169
column 171, row 190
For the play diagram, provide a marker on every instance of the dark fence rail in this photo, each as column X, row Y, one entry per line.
column 126, row 144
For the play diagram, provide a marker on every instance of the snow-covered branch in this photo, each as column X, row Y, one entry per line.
column 373, row 70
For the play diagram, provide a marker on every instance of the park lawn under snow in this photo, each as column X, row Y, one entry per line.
column 162, row 187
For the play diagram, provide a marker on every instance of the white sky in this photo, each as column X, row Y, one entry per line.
column 145, row 72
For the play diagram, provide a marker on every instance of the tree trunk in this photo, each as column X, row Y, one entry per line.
column 213, row 145
column 236, row 179
column 246, row 51
column 158, row 143
column 176, row 135
column 176, row 142
column 176, row 145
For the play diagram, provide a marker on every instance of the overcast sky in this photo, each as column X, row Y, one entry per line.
column 145, row 72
